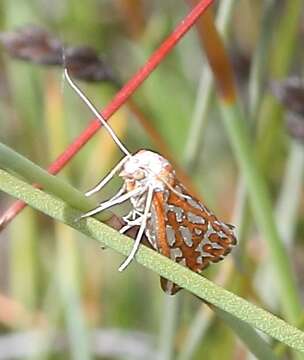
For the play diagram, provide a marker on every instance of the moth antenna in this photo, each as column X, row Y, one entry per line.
column 178, row 193
column 90, row 105
column 63, row 60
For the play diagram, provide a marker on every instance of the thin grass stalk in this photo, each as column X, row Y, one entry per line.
column 9, row 159
column 198, row 285
column 68, row 274
column 202, row 319
column 257, row 346
column 199, row 118
column 280, row 348
column 169, row 322
column 255, row 94
column 52, row 308
column 288, row 203
column 195, row 334
column 24, row 278
column 262, row 208
column 258, row 68
column 288, row 200
column 280, row 58
column 56, row 131
column 287, row 210
column 259, row 195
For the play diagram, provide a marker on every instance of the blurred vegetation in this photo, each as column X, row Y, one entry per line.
column 61, row 296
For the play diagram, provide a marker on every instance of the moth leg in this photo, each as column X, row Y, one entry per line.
column 130, row 224
column 131, row 220
column 140, row 231
column 106, row 179
column 114, row 201
column 132, row 215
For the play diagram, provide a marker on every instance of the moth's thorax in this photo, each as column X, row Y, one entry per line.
column 147, row 168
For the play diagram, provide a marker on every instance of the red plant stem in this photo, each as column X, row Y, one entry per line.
column 121, row 97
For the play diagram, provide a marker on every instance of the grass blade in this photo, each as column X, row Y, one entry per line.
column 198, row 285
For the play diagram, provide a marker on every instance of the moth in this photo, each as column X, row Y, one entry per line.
column 176, row 224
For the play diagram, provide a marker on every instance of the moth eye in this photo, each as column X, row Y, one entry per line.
column 139, row 175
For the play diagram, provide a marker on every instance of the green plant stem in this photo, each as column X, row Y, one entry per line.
column 290, row 195
column 286, row 217
column 242, row 213
column 70, row 294
column 24, row 280
column 169, row 321
column 269, row 120
column 12, row 161
column 199, row 118
column 258, row 67
column 262, row 208
column 195, row 333
column 281, row 348
column 205, row 91
column 248, row 335
column 198, row 285
column 286, row 38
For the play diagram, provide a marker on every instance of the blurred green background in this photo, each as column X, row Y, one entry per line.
column 61, row 296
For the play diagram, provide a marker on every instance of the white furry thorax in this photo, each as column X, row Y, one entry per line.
column 147, row 168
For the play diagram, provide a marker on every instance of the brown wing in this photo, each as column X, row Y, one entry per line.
column 183, row 229
column 156, row 232
column 200, row 235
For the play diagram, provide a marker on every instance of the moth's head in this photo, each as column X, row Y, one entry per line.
column 147, row 167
